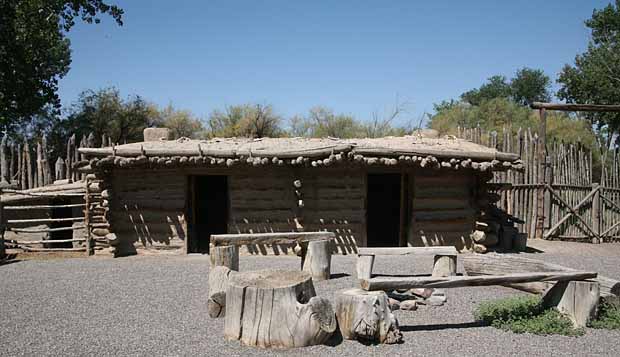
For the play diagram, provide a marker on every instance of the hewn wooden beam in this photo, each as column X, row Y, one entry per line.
column 576, row 107
column 393, row 283
column 408, row 251
column 269, row 238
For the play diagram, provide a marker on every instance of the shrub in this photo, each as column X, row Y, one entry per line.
column 503, row 310
column 608, row 318
column 525, row 315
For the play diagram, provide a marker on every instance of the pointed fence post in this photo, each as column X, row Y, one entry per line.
column 4, row 168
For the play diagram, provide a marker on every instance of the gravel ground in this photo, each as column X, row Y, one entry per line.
column 148, row 305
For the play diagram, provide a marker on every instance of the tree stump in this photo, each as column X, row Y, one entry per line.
column 365, row 316
column 364, row 266
column 276, row 308
column 444, row 265
column 227, row 256
column 317, row 260
column 576, row 299
column 218, row 283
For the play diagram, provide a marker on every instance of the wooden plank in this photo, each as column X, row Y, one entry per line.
column 393, row 283
column 44, row 220
column 497, row 264
column 43, row 206
column 269, row 238
column 44, row 230
column 408, row 251
column 46, row 241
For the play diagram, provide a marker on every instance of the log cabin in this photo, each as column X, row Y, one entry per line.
column 394, row 191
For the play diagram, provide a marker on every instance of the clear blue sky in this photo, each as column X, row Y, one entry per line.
column 352, row 56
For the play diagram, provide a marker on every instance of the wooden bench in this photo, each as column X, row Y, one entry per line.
column 315, row 249
column 444, row 263
column 572, row 293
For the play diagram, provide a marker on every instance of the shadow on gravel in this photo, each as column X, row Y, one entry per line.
column 9, row 259
column 338, row 276
column 441, row 326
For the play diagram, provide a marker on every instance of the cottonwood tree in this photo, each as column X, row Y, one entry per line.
column 35, row 53
column 182, row 123
column 248, row 120
column 595, row 76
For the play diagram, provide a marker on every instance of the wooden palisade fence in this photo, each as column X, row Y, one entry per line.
column 574, row 206
column 27, row 176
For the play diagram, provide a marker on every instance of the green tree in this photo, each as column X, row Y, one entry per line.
column 530, row 85
column 595, row 76
column 322, row 122
column 106, row 112
column 248, row 120
column 495, row 87
column 182, row 123
column 35, row 53
column 500, row 113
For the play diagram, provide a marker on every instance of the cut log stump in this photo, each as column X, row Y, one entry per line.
column 218, row 283
column 277, row 309
column 227, row 256
column 317, row 260
column 366, row 316
column 576, row 299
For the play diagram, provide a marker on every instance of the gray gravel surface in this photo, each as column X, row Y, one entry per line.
column 148, row 305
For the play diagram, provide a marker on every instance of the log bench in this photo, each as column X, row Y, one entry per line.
column 315, row 249
column 444, row 263
column 572, row 293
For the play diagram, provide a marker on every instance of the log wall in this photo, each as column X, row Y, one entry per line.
column 443, row 210
column 149, row 207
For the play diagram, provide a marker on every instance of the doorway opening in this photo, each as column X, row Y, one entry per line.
column 208, row 211
column 383, row 210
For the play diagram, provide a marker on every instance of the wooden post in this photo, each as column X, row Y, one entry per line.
column 11, row 162
column 364, row 266
column 28, row 162
column 227, row 256
column 317, row 260
column 542, row 164
column 90, row 249
column 59, row 169
column 4, row 168
column 576, row 299
column 69, row 159
column 444, row 265
column 2, row 228
column 40, row 179
column 596, row 213
column 47, row 173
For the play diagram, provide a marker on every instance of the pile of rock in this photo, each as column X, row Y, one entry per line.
column 409, row 300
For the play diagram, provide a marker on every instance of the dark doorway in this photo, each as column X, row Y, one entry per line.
column 61, row 212
column 209, row 211
column 383, row 210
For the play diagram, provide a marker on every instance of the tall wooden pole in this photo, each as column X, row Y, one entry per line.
column 542, row 167
column 2, row 228
column 4, row 168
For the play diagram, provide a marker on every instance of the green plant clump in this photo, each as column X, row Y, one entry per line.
column 608, row 317
column 525, row 315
